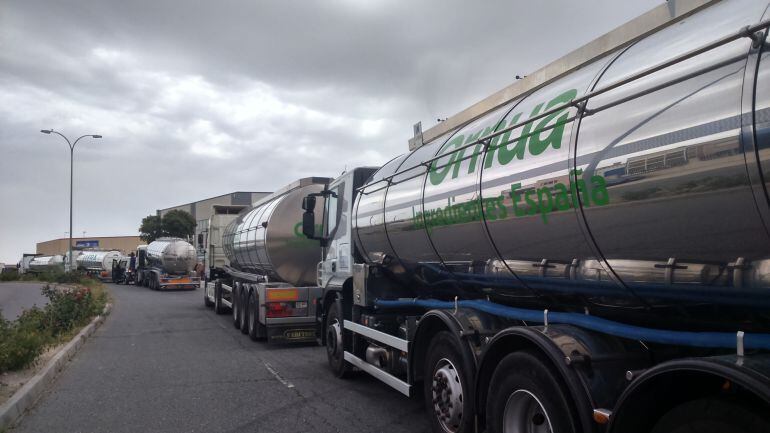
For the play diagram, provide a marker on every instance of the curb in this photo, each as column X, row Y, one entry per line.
column 26, row 397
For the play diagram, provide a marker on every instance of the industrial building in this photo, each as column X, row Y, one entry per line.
column 125, row 244
column 203, row 209
column 200, row 210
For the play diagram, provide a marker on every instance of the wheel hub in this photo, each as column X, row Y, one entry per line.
column 334, row 338
column 447, row 393
column 524, row 413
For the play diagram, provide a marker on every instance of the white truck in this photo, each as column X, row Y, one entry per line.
column 586, row 251
column 212, row 251
column 97, row 263
column 268, row 280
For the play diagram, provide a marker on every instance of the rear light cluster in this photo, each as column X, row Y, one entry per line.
column 283, row 302
column 286, row 309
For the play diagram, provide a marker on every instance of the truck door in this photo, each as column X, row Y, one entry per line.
column 338, row 250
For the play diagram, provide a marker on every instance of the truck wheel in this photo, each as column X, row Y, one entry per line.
column 335, row 346
column 218, row 307
column 254, row 331
column 208, row 303
column 712, row 415
column 526, row 396
column 235, row 298
column 447, row 385
column 244, row 304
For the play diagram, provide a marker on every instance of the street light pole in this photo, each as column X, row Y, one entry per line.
column 72, row 161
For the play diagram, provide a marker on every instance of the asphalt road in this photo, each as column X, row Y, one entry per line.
column 162, row 362
column 18, row 296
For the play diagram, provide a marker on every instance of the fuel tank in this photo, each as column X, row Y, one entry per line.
column 46, row 264
column 97, row 260
column 267, row 238
column 622, row 193
column 173, row 255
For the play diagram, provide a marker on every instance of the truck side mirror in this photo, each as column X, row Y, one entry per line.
column 308, row 222
column 200, row 240
column 308, row 204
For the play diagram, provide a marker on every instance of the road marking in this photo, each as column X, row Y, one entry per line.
column 278, row 376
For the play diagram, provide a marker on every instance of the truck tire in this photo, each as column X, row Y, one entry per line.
column 244, row 304
column 526, row 395
column 218, row 307
column 447, row 385
column 254, row 325
column 235, row 297
column 335, row 346
column 208, row 303
column 713, row 415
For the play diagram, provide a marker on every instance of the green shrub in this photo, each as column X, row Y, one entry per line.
column 9, row 276
column 68, row 307
column 24, row 339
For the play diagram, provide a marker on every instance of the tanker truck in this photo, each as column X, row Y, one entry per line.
column 165, row 264
column 97, row 263
column 584, row 251
column 212, row 251
column 268, row 281
column 40, row 264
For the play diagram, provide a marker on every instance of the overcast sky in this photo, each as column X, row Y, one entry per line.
column 201, row 98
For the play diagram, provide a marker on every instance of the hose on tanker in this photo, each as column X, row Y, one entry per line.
column 722, row 340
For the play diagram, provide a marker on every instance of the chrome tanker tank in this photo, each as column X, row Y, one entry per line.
column 97, row 260
column 618, row 186
column 174, row 255
column 267, row 238
column 46, row 264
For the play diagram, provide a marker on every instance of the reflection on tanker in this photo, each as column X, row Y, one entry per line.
column 661, row 175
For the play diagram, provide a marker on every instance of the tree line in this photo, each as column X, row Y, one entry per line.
column 176, row 223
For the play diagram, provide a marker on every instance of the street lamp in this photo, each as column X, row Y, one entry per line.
column 72, row 151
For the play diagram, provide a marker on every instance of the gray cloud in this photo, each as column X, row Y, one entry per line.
column 200, row 98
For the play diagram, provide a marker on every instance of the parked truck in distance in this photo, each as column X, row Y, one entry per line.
column 97, row 263
column 267, row 275
column 167, row 264
column 26, row 258
column 498, row 271
column 212, row 251
column 40, row 264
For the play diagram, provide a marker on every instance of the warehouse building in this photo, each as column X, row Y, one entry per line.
column 200, row 210
column 124, row 244
column 203, row 209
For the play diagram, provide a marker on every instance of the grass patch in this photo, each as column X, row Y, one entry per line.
column 36, row 329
